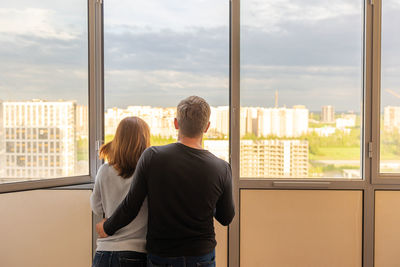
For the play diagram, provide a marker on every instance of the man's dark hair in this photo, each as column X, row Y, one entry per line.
column 193, row 115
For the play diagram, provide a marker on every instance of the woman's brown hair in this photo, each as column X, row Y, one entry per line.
column 123, row 152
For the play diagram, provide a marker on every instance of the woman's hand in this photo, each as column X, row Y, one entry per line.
column 100, row 229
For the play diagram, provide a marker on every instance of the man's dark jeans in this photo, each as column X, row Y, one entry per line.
column 207, row 260
column 119, row 259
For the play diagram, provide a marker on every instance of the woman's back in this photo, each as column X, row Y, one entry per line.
column 109, row 191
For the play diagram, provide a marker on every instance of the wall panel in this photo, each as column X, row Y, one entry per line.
column 310, row 228
column 387, row 228
column 46, row 228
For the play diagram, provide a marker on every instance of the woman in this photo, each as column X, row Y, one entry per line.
column 127, row 246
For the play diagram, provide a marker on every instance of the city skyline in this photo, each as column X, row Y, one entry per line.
column 318, row 110
column 329, row 142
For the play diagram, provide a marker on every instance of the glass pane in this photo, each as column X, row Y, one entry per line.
column 156, row 54
column 390, row 88
column 301, row 88
column 43, row 89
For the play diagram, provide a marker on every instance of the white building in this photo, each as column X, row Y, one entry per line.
column 160, row 120
column 249, row 120
column 323, row 131
column 82, row 121
column 346, row 121
column 328, row 114
column 266, row 158
column 219, row 148
column 39, row 139
column 219, row 121
column 282, row 122
column 391, row 118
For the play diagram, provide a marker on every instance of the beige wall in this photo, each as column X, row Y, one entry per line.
column 310, row 228
column 278, row 228
column 387, row 228
column 221, row 251
column 46, row 228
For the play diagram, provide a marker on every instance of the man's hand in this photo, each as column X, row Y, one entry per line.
column 100, row 229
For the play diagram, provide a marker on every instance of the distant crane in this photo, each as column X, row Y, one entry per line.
column 393, row 93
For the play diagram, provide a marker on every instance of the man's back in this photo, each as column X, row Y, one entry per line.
column 184, row 187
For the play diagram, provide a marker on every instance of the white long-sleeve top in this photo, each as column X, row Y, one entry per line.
column 109, row 191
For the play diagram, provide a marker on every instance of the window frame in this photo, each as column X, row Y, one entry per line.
column 365, row 135
column 364, row 184
column 371, row 181
column 378, row 178
column 367, row 97
column 95, row 108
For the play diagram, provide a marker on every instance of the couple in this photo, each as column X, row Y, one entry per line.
column 161, row 200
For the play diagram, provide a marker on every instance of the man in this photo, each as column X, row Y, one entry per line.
column 186, row 187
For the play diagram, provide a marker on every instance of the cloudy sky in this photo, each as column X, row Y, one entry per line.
column 158, row 51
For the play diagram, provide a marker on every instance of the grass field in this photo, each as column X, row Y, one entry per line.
column 389, row 156
column 337, row 153
column 345, row 153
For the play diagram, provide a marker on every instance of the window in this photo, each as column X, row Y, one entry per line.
column 43, row 62
column 390, row 88
column 301, row 88
column 156, row 54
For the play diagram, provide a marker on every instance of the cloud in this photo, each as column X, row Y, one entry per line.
column 162, row 87
column 161, row 51
column 201, row 51
column 311, row 86
column 33, row 22
column 329, row 42
column 51, row 68
column 268, row 16
column 390, row 5
column 157, row 15
column 305, row 61
column 390, row 62
column 24, row 82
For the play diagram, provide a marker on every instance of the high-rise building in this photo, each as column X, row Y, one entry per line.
column 219, row 121
column 167, row 128
column 160, row 120
column 267, row 158
column 82, row 121
column 249, row 120
column 39, row 139
column 300, row 120
column 328, row 114
column 111, row 119
column 282, row 122
column 391, row 118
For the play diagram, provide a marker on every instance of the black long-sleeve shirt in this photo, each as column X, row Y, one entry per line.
column 186, row 188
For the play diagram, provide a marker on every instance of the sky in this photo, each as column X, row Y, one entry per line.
column 158, row 52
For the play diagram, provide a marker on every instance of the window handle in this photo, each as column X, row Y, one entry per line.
column 301, row 184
